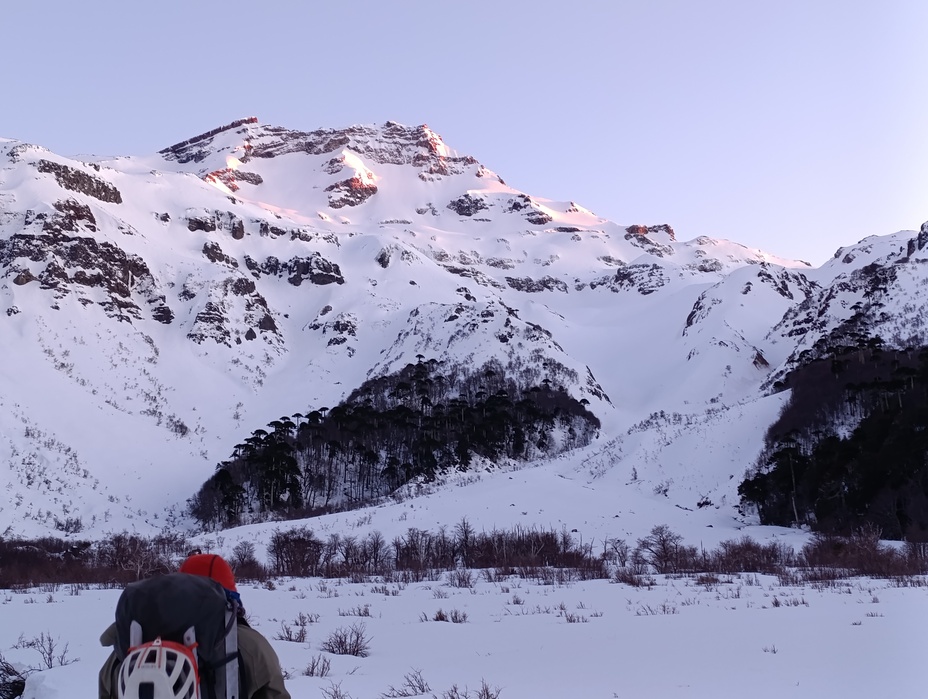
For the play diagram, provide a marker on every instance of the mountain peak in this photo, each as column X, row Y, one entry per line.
column 390, row 144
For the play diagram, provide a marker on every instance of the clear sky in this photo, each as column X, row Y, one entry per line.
column 794, row 126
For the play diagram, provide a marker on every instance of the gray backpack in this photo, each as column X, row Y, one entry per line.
column 190, row 610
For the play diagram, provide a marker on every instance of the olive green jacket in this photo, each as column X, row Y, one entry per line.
column 259, row 668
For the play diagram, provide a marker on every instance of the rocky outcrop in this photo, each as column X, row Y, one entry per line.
column 313, row 268
column 71, row 216
column 645, row 231
column 350, row 192
column 209, row 221
column 467, row 205
column 643, row 278
column 72, row 264
column 339, row 329
column 390, row 144
column 197, row 148
column 214, row 253
column 533, row 286
column 235, row 312
column 231, row 178
column 79, row 181
column 529, row 209
column 919, row 242
column 643, row 237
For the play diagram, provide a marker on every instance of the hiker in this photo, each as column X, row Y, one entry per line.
column 260, row 676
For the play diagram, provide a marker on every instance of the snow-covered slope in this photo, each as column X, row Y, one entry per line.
column 157, row 310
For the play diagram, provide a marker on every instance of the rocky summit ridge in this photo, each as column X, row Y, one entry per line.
column 157, row 309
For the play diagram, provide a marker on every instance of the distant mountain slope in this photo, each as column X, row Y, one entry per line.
column 157, row 310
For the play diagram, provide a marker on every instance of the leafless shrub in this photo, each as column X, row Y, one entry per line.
column 414, row 685
column 319, row 666
column 334, row 691
column 48, row 649
column 862, row 553
column 360, row 610
column 287, row 633
column 664, row 608
column 352, row 640
column 386, row 591
column 485, row 692
column 462, row 577
column 634, row 576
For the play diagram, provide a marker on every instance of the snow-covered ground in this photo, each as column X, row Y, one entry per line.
column 739, row 635
column 745, row 635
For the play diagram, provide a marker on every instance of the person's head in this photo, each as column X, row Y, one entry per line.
column 209, row 565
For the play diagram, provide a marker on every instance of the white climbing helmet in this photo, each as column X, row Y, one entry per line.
column 159, row 670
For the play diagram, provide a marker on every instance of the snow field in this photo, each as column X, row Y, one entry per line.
column 679, row 637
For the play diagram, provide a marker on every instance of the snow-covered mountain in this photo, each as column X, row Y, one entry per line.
column 157, row 310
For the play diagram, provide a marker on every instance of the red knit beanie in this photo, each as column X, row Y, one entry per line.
column 211, row 566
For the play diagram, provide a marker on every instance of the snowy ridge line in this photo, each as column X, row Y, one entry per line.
column 209, row 134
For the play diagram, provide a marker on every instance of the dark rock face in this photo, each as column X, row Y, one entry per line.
column 919, row 242
column 71, row 217
column 79, row 181
column 73, row 262
column 315, row 269
column 198, row 223
column 236, row 296
column 643, row 278
column 307, row 235
column 533, row 286
column 645, row 231
column 529, row 209
column 350, row 192
column 238, row 229
column 538, row 218
column 214, row 253
column 163, row 314
column 242, row 287
column 467, row 205
column 780, row 280
column 639, row 236
column 230, row 178
column 212, row 317
column 342, row 327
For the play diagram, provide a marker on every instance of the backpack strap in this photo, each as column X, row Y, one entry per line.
column 224, row 675
column 135, row 634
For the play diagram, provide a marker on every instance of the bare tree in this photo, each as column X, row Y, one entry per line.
column 660, row 548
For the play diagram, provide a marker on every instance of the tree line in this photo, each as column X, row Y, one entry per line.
column 544, row 555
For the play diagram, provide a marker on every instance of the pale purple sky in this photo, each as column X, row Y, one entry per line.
column 792, row 126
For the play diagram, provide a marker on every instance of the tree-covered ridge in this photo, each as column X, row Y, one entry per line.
column 850, row 448
column 424, row 419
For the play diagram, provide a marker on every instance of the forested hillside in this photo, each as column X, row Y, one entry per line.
column 851, row 447
column 415, row 423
